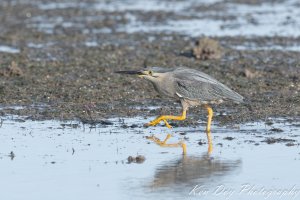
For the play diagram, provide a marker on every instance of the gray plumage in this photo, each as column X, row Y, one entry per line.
column 193, row 85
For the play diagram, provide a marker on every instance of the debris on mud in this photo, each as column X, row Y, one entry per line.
column 138, row 159
column 11, row 70
column 269, row 122
column 249, row 73
column 276, row 130
column 201, row 142
column 219, row 144
column 249, row 141
column 64, row 125
column 95, row 122
column 207, row 49
column 134, row 126
column 290, row 144
column 125, row 126
column 12, row 155
column 229, row 138
column 106, row 122
column 272, row 140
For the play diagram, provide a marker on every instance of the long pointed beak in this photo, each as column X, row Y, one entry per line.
column 134, row 72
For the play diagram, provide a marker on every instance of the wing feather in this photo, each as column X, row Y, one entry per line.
column 194, row 84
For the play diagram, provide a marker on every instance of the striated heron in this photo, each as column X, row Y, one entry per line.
column 192, row 88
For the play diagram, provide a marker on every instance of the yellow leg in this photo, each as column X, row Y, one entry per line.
column 165, row 117
column 208, row 132
column 163, row 143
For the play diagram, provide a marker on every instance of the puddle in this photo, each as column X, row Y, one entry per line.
column 9, row 49
column 60, row 5
column 82, row 161
column 12, row 107
column 17, row 107
column 91, row 43
column 39, row 45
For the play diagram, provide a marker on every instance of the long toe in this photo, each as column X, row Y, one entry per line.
column 167, row 124
column 149, row 124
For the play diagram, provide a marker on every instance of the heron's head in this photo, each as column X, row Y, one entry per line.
column 152, row 74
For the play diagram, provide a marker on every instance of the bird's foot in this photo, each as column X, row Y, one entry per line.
column 163, row 143
column 152, row 123
column 167, row 124
column 156, row 121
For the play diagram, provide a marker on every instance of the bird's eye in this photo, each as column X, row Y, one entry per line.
column 150, row 73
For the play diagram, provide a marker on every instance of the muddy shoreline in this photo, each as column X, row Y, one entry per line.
column 68, row 73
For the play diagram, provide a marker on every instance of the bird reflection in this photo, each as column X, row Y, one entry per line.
column 191, row 170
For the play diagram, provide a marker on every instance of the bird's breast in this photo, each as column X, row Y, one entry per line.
column 164, row 88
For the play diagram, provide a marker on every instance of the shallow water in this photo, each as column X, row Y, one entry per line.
column 212, row 18
column 69, row 160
